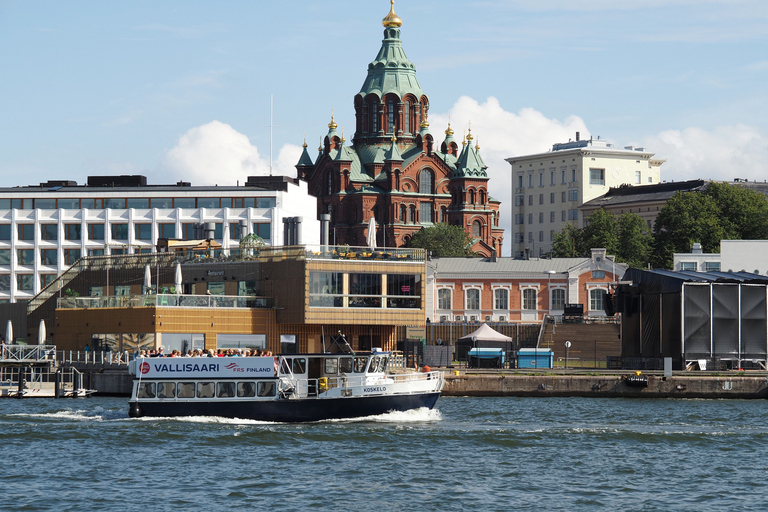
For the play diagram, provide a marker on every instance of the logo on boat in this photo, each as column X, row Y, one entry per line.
column 144, row 367
column 230, row 366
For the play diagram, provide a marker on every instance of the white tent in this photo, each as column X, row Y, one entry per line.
column 485, row 333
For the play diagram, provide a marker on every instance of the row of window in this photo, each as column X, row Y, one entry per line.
column 552, row 174
column 51, row 203
column 572, row 195
column 707, row 266
column 331, row 290
column 410, row 120
column 564, row 214
column 530, row 298
column 119, row 231
column 227, row 389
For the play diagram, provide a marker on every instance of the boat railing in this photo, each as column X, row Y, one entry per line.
column 313, row 387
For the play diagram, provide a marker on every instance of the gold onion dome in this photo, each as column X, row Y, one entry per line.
column 449, row 130
column 332, row 125
column 469, row 135
column 392, row 19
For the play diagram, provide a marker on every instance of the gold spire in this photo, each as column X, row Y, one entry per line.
column 449, row 130
column 477, row 144
column 392, row 19
column 424, row 122
column 394, row 139
column 464, row 140
column 469, row 135
column 305, row 141
column 332, row 125
column 343, row 140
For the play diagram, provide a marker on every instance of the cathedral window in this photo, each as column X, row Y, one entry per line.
column 374, row 118
column 407, row 117
column 411, row 214
column 390, row 116
column 481, row 195
column 471, row 197
column 329, row 184
column 426, row 212
column 476, row 229
column 403, row 214
column 425, row 182
column 443, row 214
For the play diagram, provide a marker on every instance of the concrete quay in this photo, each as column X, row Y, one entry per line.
column 608, row 385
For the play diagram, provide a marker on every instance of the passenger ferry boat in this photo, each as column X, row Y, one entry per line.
column 289, row 388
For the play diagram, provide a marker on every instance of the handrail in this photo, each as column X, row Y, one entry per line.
column 165, row 300
column 27, row 353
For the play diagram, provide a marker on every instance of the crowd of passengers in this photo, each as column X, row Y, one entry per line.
column 222, row 352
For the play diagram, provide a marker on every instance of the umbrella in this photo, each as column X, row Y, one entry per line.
column 41, row 334
column 177, row 280
column 9, row 332
column 147, row 279
column 372, row 233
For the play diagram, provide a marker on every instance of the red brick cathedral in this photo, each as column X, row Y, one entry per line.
column 394, row 171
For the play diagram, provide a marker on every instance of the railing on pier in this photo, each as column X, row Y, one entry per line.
column 27, row 353
column 95, row 357
column 165, row 301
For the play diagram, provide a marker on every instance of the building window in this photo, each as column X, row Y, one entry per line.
column 476, row 229
column 49, row 257
column 519, row 218
column 425, row 182
column 166, row 230
column 473, row 299
column 562, row 215
column 25, row 282
column 501, row 298
column 122, row 290
column 69, row 203
column 530, row 219
column 444, row 298
column 216, row 288
column 119, row 231
column 541, row 179
column 573, row 175
column 412, row 214
column 519, row 238
column 114, row 202
column 551, row 178
column 95, row 252
column 325, row 289
column 45, row 204
column 5, row 256
column 573, row 195
column 638, row 177
column 711, row 266
column 541, row 236
column 5, row 282
column 519, row 200
column 426, row 213
column 520, row 181
column 598, row 274
column 391, row 116
column 266, row 202
column 443, row 214
column 138, row 202
column 374, row 117
column 688, row 265
column 562, row 177
column 407, row 117
column 530, row 181
column 25, row 256
column 208, row 202
column 26, row 231
column 71, row 256
column 72, row 232
column 530, row 236
column 541, row 217
column 558, row 299
column 541, row 198
column 596, row 176
column 5, row 231
column 551, row 198
column 403, row 213
column 573, row 214
column 46, row 279
column 529, row 299
column 49, row 232
column 96, row 232
column 551, row 216
column 143, row 231
column 562, row 196
column 162, row 203
column 263, row 230
column 596, row 297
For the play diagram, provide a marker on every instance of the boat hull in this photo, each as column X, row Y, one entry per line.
column 287, row 410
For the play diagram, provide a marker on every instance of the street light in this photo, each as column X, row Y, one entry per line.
column 549, row 290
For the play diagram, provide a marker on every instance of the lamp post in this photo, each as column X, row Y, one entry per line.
column 549, row 290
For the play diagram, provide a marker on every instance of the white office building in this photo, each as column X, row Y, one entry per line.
column 46, row 228
column 548, row 188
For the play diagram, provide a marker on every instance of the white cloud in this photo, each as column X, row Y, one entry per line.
column 502, row 134
column 216, row 153
column 722, row 153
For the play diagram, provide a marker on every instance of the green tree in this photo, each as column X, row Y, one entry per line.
column 600, row 231
column 443, row 240
column 743, row 211
column 567, row 243
column 635, row 240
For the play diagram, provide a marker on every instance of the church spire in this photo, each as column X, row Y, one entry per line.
column 392, row 20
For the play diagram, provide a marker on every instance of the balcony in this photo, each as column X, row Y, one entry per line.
column 165, row 301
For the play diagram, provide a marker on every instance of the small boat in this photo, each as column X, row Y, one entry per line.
column 286, row 388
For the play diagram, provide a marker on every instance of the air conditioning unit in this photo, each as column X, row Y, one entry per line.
column 443, row 318
column 459, row 318
column 488, row 318
column 502, row 318
column 473, row 318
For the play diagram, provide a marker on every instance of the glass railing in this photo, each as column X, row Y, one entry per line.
column 343, row 252
column 165, row 301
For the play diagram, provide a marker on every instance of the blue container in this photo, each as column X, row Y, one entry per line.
column 486, row 358
column 535, row 358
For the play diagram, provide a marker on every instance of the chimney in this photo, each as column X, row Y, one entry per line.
column 493, row 255
column 696, row 249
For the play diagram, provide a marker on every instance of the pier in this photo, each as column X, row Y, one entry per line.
column 28, row 371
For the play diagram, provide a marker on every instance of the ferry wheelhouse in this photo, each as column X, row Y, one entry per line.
column 295, row 388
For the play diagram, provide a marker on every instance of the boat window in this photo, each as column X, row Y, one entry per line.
column 360, row 363
column 299, row 365
column 146, row 390
column 205, row 389
column 246, row 389
column 266, row 388
column 166, row 389
column 285, row 366
column 376, row 365
column 331, row 366
column 186, row 390
column 226, row 390
column 346, row 364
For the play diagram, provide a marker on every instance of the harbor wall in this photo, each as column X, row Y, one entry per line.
column 677, row 386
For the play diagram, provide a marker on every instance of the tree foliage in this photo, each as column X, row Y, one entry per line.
column 443, row 240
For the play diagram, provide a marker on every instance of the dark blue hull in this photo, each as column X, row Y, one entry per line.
column 287, row 411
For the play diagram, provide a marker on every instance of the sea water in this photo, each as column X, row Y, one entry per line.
column 467, row 454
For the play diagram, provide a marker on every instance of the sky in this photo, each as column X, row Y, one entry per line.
column 183, row 90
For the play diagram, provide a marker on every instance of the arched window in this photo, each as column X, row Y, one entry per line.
column 425, row 182
column 374, row 117
column 596, row 297
column 403, row 213
column 444, row 298
column 501, row 299
column 443, row 214
column 407, row 117
column 473, row 299
column 530, row 298
column 476, row 229
column 412, row 214
column 390, row 116
column 329, row 184
column 471, row 197
column 558, row 299
column 481, row 196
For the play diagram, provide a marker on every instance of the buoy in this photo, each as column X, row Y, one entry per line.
column 134, row 411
